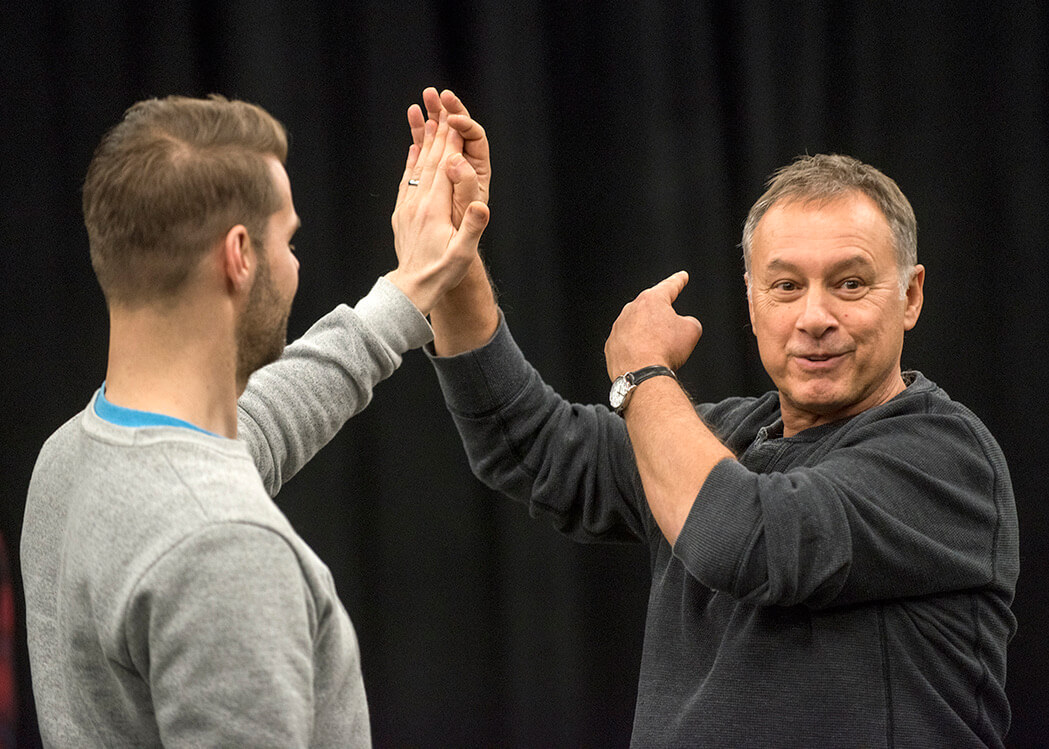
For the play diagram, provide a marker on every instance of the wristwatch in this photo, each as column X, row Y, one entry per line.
column 623, row 385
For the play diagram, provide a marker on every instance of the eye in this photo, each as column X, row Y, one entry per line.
column 291, row 247
column 784, row 290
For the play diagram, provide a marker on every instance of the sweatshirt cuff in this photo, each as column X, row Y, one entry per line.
column 720, row 526
column 393, row 317
column 484, row 379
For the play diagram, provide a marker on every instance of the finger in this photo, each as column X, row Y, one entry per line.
column 432, row 160
column 672, row 285
column 471, row 131
column 453, row 103
column 429, row 134
column 409, row 170
column 464, row 243
column 432, row 101
column 417, row 123
column 437, row 186
column 453, row 143
column 475, row 144
column 460, row 173
column 475, row 221
column 465, row 188
column 459, row 118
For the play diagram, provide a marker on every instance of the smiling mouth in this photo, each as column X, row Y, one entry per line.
column 818, row 359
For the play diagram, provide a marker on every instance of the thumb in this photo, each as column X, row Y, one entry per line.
column 695, row 323
column 458, row 169
column 474, row 222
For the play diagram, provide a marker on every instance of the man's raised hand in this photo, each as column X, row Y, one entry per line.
column 433, row 250
column 648, row 331
column 466, row 135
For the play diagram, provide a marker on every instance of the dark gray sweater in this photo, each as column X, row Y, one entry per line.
column 847, row 586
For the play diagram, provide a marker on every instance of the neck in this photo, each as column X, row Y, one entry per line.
column 178, row 361
column 797, row 419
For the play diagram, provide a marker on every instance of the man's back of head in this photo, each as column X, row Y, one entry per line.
column 167, row 182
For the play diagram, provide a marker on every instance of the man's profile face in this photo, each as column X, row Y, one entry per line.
column 826, row 308
column 263, row 330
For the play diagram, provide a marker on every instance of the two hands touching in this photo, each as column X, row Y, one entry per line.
column 440, row 215
column 442, row 200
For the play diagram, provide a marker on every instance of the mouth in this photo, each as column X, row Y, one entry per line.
column 818, row 361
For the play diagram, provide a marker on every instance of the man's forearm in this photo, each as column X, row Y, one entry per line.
column 467, row 316
column 674, row 449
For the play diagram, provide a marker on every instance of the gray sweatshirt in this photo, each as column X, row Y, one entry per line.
column 168, row 600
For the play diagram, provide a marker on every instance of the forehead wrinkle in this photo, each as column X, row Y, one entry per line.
column 859, row 260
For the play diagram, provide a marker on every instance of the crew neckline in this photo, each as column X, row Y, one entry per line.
column 136, row 419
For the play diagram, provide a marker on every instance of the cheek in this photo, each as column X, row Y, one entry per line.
column 772, row 334
column 291, row 272
column 773, row 324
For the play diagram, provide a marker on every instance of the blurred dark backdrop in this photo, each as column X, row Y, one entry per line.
column 629, row 140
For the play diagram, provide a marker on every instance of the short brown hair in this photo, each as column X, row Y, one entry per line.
column 826, row 177
column 169, row 181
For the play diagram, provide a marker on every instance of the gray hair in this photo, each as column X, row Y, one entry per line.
column 826, row 177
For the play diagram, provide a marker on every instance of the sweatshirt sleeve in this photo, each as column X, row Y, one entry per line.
column 917, row 504
column 571, row 464
column 223, row 627
column 293, row 407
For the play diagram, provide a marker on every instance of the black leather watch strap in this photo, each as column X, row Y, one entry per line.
column 637, row 377
column 624, row 385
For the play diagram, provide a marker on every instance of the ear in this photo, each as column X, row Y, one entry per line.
column 238, row 258
column 915, row 297
column 750, row 300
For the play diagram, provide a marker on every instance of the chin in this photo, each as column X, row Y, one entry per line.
column 824, row 402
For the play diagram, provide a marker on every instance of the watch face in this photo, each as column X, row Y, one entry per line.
column 618, row 392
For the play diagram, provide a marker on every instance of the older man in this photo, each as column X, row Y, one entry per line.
column 833, row 562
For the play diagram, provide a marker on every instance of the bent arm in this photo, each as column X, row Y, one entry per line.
column 467, row 316
column 571, row 464
column 897, row 507
column 675, row 450
column 293, row 407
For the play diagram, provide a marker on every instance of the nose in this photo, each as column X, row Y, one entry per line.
column 816, row 316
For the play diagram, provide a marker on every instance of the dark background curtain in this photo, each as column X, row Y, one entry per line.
column 629, row 140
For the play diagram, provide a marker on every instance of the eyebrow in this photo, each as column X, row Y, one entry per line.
column 854, row 261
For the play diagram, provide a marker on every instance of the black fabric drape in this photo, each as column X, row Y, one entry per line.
column 629, row 140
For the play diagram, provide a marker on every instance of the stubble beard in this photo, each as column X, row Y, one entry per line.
column 262, row 331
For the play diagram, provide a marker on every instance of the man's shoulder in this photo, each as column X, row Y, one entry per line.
column 925, row 420
column 926, row 402
column 63, row 437
column 94, row 466
column 57, row 449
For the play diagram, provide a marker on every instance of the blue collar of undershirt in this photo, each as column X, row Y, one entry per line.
column 130, row 417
